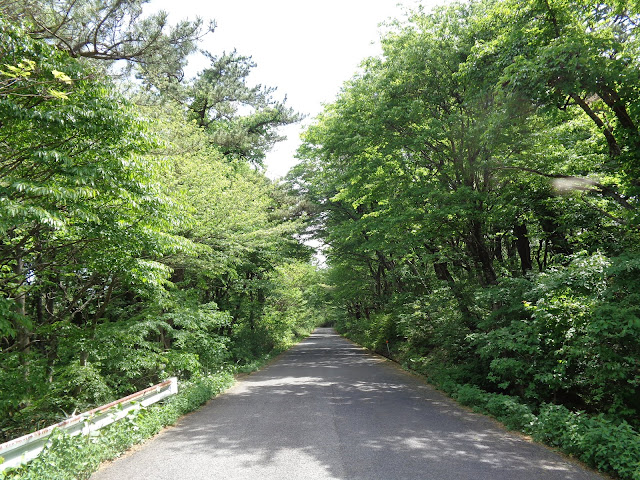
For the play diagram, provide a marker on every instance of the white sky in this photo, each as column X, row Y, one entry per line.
column 305, row 48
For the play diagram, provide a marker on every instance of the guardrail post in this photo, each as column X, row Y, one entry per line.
column 173, row 388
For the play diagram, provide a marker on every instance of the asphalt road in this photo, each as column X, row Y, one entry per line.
column 329, row 410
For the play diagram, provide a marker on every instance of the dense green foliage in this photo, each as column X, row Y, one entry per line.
column 476, row 188
column 136, row 243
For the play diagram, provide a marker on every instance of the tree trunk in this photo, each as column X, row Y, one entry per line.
column 22, row 334
column 480, row 254
column 497, row 252
column 442, row 273
column 523, row 246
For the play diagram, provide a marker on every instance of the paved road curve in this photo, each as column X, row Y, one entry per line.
column 329, row 410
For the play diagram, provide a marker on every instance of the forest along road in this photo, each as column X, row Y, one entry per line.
column 327, row 409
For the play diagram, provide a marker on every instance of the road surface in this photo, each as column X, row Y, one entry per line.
column 327, row 409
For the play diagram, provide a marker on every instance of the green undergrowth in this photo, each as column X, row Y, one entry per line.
column 610, row 446
column 67, row 458
column 70, row 458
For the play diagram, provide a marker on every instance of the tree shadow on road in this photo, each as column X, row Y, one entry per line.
column 329, row 410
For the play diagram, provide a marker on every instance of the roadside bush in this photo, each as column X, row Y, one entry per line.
column 597, row 441
column 611, row 447
column 569, row 336
column 509, row 410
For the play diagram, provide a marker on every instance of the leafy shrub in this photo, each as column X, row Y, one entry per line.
column 196, row 345
column 609, row 446
column 574, row 339
column 509, row 410
column 79, row 387
column 597, row 441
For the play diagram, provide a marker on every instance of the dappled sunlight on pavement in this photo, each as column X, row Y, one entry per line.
column 329, row 410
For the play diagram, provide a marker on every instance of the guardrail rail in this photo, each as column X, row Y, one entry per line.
column 21, row 450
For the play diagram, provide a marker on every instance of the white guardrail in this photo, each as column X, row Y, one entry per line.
column 21, row 450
